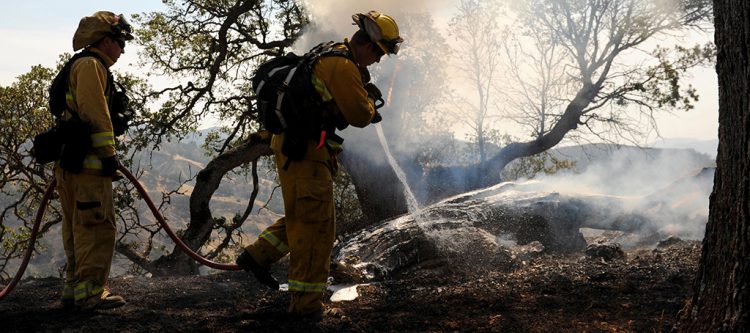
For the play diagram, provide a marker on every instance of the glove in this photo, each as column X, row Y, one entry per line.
column 110, row 166
column 376, row 118
column 374, row 93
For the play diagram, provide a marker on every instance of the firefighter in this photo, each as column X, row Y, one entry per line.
column 88, row 229
column 307, row 230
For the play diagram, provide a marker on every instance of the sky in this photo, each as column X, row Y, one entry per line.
column 37, row 32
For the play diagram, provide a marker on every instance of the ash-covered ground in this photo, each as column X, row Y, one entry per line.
column 642, row 291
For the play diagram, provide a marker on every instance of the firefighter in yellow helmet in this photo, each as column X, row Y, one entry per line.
column 85, row 185
column 307, row 230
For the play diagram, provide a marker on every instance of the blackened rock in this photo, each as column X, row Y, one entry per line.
column 606, row 251
column 671, row 240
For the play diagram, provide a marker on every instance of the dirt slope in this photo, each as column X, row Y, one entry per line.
column 641, row 293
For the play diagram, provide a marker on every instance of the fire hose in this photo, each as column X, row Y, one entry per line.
column 43, row 206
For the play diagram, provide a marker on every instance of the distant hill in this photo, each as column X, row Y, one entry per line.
column 707, row 147
column 621, row 158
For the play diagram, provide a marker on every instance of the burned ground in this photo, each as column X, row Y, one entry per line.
column 642, row 292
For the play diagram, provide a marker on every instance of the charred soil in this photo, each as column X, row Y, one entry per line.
column 642, row 292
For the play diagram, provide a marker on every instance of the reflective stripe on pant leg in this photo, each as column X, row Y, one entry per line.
column 271, row 244
column 307, row 287
column 274, row 241
column 86, row 289
column 68, row 292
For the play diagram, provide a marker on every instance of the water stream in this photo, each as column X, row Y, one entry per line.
column 411, row 201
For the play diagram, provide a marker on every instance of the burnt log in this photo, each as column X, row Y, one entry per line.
column 486, row 225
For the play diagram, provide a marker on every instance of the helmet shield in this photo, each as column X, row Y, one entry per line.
column 121, row 28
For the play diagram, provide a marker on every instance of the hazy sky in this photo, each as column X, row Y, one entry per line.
column 36, row 32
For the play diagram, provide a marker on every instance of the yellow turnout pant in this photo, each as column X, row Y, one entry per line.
column 88, row 232
column 306, row 232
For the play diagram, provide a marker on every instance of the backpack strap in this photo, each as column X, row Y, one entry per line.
column 282, row 92
column 331, row 49
column 326, row 49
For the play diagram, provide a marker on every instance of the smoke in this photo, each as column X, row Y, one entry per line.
column 659, row 185
column 667, row 191
column 332, row 19
column 412, row 78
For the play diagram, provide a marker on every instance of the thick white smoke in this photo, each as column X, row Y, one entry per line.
column 332, row 19
column 670, row 187
column 649, row 180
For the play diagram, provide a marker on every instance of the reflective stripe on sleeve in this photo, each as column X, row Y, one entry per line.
column 92, row 162
column 275, row 241
column 102, row 139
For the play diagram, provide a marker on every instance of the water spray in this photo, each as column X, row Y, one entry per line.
column 411, row 201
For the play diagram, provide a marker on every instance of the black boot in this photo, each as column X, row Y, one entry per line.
column 246, row 262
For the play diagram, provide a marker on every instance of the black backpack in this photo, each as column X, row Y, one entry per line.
column 287, row 100
column 69, row 141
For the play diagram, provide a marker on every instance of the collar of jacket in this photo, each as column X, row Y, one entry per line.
column 363, row 71
column 107, row 60
column 351, row 50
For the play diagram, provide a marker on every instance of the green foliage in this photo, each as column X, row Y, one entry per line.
column 664, row 88
column 23, row 114
column 529, row 167
column 209, row 49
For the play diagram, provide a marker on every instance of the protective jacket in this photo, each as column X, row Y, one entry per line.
column 307, row 230
column 88, row 96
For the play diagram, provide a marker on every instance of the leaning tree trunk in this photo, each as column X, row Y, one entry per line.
column 381, row 193
column 441, row 182
column 721, row 299
column 201, row 221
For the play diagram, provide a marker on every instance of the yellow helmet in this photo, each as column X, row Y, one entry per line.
column 100, row 24
column 381, row 29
